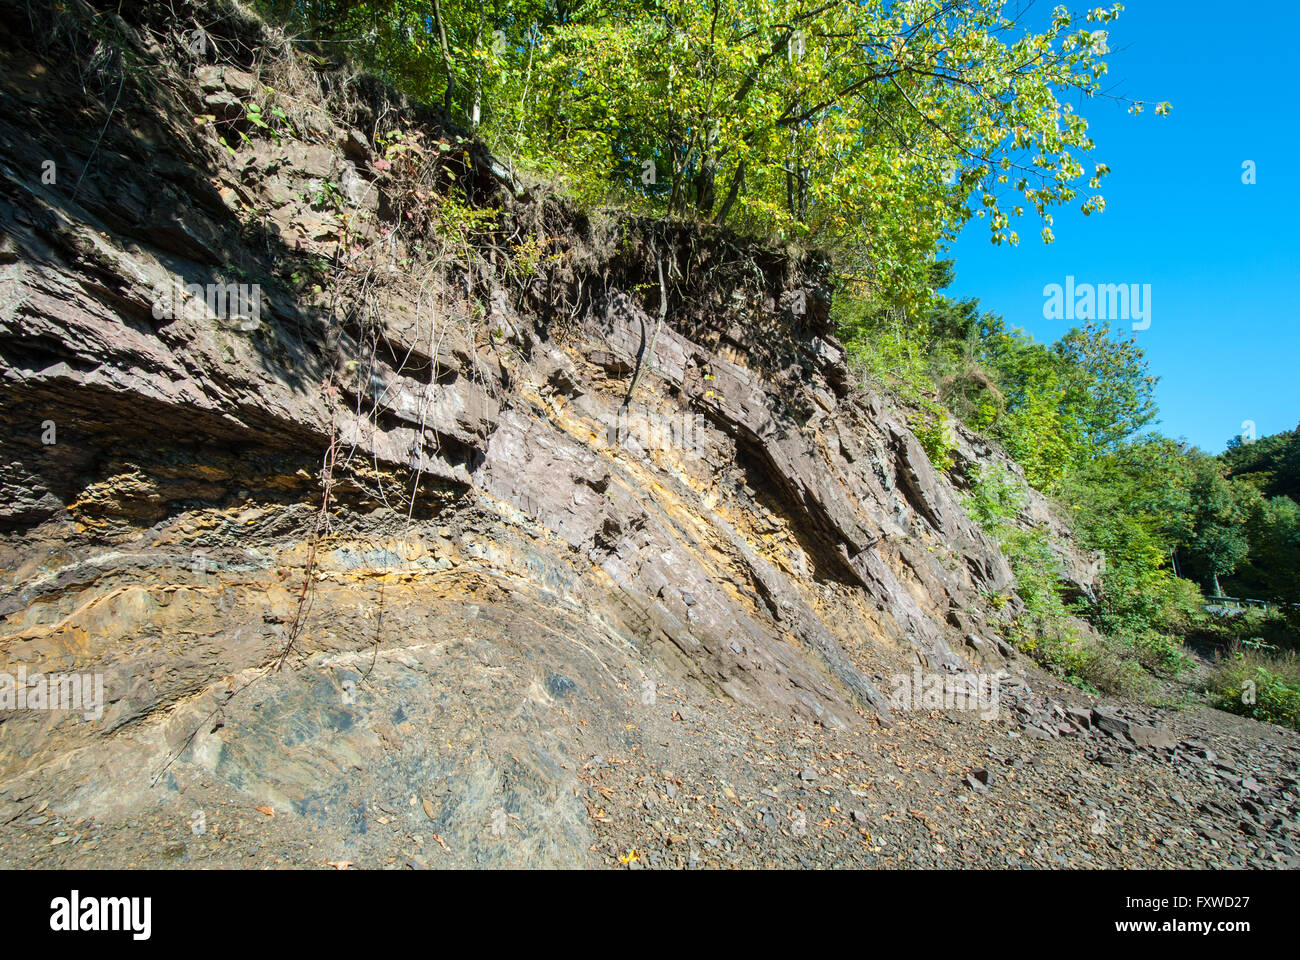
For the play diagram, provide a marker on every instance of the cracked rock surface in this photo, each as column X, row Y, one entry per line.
column 392, row 572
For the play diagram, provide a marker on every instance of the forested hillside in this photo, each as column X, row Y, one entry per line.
column 1176, row 525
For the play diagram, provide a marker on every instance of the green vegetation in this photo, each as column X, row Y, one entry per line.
column 1050, row 627
column 1265, row 480
column 871, row 130
column 1256, row 683
column 1169, row 519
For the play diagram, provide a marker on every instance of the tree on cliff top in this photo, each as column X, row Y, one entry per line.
column 874, row 129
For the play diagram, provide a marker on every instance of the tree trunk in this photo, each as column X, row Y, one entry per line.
column 705, row 192
column 736, row 181
column 446, row 59
column 476, row 102
column 706, row 195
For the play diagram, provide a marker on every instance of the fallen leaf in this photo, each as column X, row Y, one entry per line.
column 266, row 810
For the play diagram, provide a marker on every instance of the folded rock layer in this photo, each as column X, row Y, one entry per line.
column 429, row 506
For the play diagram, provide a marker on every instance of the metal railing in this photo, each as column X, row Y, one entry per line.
column 1240, row 603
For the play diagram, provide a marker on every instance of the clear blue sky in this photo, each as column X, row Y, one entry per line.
column 1222, row 258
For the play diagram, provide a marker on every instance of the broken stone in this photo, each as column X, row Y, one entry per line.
column 1155, row 738
column 1109, row 722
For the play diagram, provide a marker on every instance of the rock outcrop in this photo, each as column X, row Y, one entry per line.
column 384, row 521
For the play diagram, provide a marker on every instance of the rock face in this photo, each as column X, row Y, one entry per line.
column 383, row 523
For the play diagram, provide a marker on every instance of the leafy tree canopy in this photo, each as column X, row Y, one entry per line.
column 872, row 129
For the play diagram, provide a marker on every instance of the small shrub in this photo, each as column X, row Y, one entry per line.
column 1255, row 680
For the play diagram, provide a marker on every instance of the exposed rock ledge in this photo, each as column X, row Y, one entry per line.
column 789, row 548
